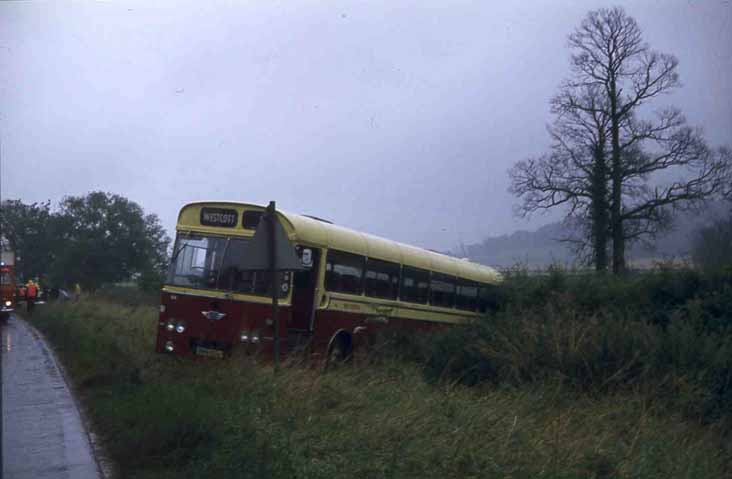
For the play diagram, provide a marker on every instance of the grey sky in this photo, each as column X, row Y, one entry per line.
column 396, row 118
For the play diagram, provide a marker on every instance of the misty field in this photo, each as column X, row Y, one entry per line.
column 572, row 378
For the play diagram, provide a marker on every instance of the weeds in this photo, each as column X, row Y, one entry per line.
column 668, row 332
column 573, row 385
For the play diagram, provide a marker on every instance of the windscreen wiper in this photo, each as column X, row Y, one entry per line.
column 176, row 253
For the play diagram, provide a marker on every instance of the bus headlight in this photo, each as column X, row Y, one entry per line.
column 169, row 346
column 255, row 337
column 170, row 326
column 180, row 327
column 8, row 303
column 244, row 336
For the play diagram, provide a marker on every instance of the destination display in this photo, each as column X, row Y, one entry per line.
column 221, row 217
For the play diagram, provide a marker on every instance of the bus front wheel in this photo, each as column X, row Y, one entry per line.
column 339, row 350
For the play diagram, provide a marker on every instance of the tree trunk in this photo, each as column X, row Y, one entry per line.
column 617, row 184
column 600, row 225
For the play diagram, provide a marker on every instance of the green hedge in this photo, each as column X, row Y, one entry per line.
column 666, row 331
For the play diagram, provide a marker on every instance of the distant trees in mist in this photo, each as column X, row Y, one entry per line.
column 712, row 247
column 617, row 168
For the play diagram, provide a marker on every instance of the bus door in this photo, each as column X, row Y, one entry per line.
column 303, row 293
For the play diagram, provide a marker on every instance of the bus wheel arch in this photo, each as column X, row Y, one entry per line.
column 340, row 348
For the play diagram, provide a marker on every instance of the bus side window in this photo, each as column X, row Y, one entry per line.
column 344, row 272
column 467, row 296
column 381, row 279
column 415, row 285
column 442, row 290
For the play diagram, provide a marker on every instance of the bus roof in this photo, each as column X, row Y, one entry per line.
column 315, row 232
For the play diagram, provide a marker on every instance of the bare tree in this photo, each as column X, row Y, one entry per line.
column 609, row 53
column 574, row 172
column 614, row 75
column 725, row 156
column 694, row 173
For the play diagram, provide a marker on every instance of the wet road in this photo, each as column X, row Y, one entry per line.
column 42, row 432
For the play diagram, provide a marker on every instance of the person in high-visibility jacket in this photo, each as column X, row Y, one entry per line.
column 31, row 291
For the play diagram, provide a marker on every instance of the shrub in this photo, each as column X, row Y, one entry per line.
column 130, row 295
column 667, row 330
column 712, row 247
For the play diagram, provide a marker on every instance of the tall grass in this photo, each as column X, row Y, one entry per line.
column 668, row 333
column 548, row 388
column 129, row 295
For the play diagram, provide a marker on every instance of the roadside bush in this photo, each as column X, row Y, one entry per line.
column 669, row 333
column 712, row 247
column 129, row 295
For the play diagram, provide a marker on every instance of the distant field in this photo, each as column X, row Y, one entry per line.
column 164, row 417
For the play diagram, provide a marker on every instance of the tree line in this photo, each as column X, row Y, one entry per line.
column 94, row 240
column 618, row 168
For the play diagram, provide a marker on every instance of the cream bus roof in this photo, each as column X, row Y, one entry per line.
column 320, row 233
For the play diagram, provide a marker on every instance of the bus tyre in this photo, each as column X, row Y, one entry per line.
column 339, row 352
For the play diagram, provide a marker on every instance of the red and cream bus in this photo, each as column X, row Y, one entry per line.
column 353, row 285
column 7, row 279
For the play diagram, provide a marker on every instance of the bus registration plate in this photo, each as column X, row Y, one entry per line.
column 209, row 353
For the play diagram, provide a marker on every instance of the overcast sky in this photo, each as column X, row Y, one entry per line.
column 396, row 118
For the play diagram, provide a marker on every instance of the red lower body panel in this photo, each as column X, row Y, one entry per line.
column 200, row 326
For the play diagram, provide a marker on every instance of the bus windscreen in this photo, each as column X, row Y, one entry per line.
column 211, row 262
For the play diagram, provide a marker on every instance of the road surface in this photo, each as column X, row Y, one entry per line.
column 43, row 436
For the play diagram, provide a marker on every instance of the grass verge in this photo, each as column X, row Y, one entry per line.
column 163, row 417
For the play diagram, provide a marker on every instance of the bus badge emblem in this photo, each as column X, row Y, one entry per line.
column 213, row 315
